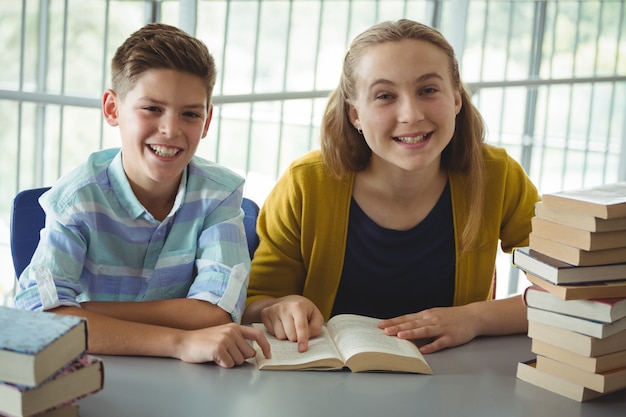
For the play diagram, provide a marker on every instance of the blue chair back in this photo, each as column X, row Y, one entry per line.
column 28, row 218
column 250, row 214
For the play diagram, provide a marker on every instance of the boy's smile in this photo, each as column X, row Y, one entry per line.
column 161, row 120
column 164, row 151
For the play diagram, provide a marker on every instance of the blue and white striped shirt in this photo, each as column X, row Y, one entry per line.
column 100, row 243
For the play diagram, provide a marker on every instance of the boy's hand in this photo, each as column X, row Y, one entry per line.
column 293, row 317
column 226, row 345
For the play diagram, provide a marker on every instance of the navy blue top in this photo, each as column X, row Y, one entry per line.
column 388, row 273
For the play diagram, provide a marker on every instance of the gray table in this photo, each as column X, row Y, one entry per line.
column 477, row 379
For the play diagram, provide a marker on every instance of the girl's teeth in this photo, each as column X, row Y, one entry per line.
column 416, row 139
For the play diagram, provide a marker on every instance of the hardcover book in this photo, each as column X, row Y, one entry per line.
column 576, row 324
column 70, row 410
column 605, row 310
column 559, row 272
column 347, row 341
column 82, row 377
column 604, row 382
column 577, row 342
column 606, row 201
column 579, row 238
column 34, row 345
column 578, row 220
column 528, row 372
column 583, row 291
column 573, row 255
column 593, row 364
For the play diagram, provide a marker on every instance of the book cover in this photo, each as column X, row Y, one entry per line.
column 576, row 342
column 83, row 377
column 582, row 291
column 575, row 256
column 559, row 272
column 528, row 372
column 70, row 410
column 347, row 341
column 578, row 220
column 593, row 364
column 605, row 201
column 607, row 310
column 604, row 382
column 576, row 324
column 579, row 238
column 34, row 344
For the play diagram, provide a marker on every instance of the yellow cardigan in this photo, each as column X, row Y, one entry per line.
column 303, row 227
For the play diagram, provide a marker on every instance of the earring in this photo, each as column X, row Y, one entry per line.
column 357, row 126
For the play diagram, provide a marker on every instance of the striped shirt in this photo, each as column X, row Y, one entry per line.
column 100, row 243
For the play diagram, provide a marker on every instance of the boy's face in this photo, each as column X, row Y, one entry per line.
column 161, row 121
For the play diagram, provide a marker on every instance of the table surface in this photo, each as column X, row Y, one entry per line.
column 476, row 379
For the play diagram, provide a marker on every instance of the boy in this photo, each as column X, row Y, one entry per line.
column 150, row 222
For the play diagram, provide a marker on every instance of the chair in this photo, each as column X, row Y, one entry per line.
column 28, row 218
column 250, row 214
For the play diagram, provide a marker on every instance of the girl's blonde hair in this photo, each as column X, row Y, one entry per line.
column 344, row 150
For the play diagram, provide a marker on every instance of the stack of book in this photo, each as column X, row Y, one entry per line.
column 576, row 263
column 44, row 365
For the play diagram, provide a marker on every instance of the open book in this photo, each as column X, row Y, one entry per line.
column 347, row 341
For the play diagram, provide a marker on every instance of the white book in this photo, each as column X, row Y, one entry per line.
column 605, row 310
column 576, row 324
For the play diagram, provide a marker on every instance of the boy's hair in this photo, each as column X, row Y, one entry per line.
column 161, row 46
column 344, row 150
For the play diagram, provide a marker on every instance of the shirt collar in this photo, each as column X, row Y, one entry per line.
column 126, row 196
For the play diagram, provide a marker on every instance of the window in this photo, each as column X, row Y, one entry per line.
column 548, row 76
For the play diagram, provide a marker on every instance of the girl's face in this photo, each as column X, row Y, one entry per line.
column 406, row 104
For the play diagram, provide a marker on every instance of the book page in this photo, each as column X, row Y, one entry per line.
column 606, row 194
column 356, row 334
column 285, row 352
